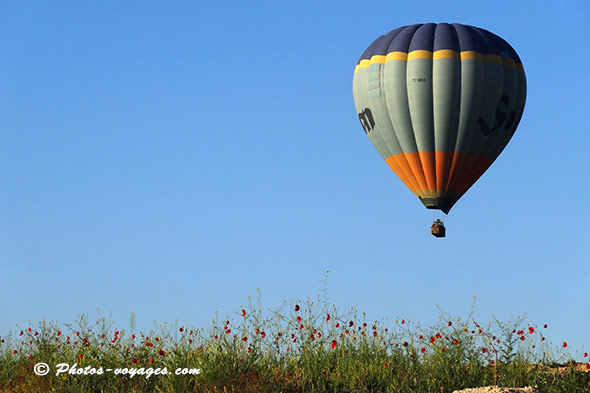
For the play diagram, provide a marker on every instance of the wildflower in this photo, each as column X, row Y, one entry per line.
column 298, row 319
column 545, row 326
column 432, row 339
column 564, row 344
column 133, row 336
column 21, row 333
column 135, row 360
column 350, row 324
column 337, row 324
column 244, row 338
column 386, row 365
column 483, row 350
column 263, row 334
column 375, row 334
column 243, row 312
column 450, row 323
column 297, row 308
column 59, row 333
column 406, row 344
column 14, row 352
column 585, row 354
column 181, row 330
column 438, row 335
column 403, row 321
column 423, row 350
column 334, row 343
column 443, row 349
column 522, row 338
column 328, row 317
column 531, row 330
column 162, row 352
column 301, row 326
column 228, row 331
column 151, row 360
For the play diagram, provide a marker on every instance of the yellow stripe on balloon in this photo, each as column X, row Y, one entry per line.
column 439, row 54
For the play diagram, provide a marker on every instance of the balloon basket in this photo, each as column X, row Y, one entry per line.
column 438, row 229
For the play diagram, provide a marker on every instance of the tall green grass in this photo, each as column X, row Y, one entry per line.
column 304, row 346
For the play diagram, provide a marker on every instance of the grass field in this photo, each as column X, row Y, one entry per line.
column 305, row 346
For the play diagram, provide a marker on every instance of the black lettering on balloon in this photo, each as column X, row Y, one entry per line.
column 367, row 120
column 501, row 117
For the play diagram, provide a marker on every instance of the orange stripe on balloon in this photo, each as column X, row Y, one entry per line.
column 429, row 168
column 436, row 174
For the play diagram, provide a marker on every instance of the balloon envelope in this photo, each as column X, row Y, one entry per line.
column 439, row 102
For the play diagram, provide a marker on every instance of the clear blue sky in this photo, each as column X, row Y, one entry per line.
column 168, row 159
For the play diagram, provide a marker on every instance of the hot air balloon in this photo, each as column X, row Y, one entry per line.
column 439, row 102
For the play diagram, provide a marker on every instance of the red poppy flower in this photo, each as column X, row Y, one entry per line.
column 263, row 334
column 298, row 319
column 450, row 323
column 545, row 326
column 59, row 333
column 585, row 354
column 181, row 330
column 135, row 360
column 531, row 330
column 455, row 342
column 386, row 365
column 244, row 338
column 564, row 344
column 350, row 324
column 337, row 324
column 522, row 338
column 243, row 312
column 328, row 317
column 162, row 352
column 297, row 308
column 334, row 343
column 423, row 350
column 483, row 350
column 375, row 334
column 406, row 344
column 403, row 321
